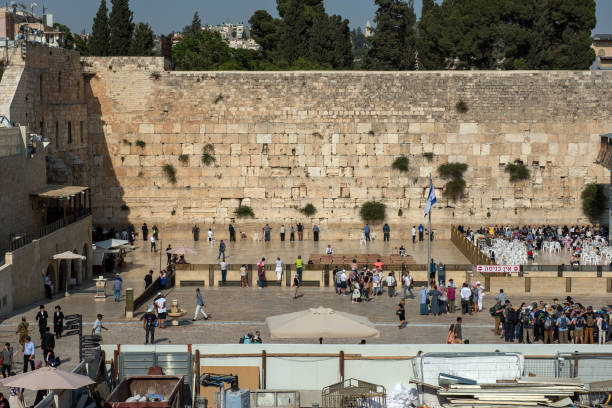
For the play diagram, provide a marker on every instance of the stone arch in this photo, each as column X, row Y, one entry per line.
column 51, row 272
column 84, row 263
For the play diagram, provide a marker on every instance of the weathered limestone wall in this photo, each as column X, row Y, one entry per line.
column 45, row 91
column 28, row 264
column 284, row 139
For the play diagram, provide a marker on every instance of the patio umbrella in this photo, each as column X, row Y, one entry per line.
column 68, row 255
column 47, row 378
column 320, row 322
column 182, row 251
column 111, row 243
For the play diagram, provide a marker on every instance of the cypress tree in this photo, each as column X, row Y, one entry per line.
column 121, row 28
column 100, row 32
column 142, row 45
column 195, row 27
column 394, row 40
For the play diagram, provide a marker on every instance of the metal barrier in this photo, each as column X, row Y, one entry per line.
column 468, row 249
column 16, row 243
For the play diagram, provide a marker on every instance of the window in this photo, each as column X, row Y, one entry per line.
column 81, row 130
column 69, row 132
column 40, row 86
column 59, row 83
column 57, row 134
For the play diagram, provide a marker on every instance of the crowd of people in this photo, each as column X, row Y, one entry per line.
column 577, row 240
column 556, row 322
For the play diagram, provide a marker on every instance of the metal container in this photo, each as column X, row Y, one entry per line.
column 169, row 386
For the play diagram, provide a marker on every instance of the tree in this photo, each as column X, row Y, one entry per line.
column 68, row 37
column 266, row 31
column 121, row 28
column 142, row 44
column 394, row 39
column 195, row 26
column 81, row 45
column 100, row 32
column 593, row 201
column 562, row 34
column 360, row 43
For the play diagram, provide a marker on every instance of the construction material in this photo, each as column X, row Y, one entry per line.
column 522, row 392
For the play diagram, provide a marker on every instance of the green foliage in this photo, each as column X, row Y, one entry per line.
column 373, row 211
column 125, row 207
column 461, row 106
column 100, row 32
column 170, row 172
column 218, row 99
column 141, row 143
column 195, row 26
column 506, row 34
column 400, row 212
column 455, row 187
column 127, row 142
column 266, row 31
column 517, row 170
column 184, row 158
column 81, row 46
column 593, row 201
column 394, row 40
column 452, row 170
column 206, row 50
column 173, row 212
column 308, row 210
column 360, row 43
column 142, row 44
column 208, row 155
column 244, row 211
column 68, row 37
column 121, row 28
column 428, row 155
column 401, row 163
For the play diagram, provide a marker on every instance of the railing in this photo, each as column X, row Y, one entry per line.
column 152, row 288
column 468, row 249
column 16, row 243
column 50, row 228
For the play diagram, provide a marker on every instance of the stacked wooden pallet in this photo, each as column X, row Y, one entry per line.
column 523, row 392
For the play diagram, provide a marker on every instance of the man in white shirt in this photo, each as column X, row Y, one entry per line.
column 329, row 250
column 28, row 354
column 413, row 235
column 343, row 282
column 391, row 284
column 407, row 282
column 465, row 293
column 160, row 305
column 210, row 236
column 223, row 266
column 153, row 249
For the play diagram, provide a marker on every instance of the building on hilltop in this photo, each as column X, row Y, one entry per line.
column 16, row 24
column 369, row 31
column 602, row 45
column 238, row 36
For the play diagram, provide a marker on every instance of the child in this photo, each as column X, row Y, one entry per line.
column 356, row 293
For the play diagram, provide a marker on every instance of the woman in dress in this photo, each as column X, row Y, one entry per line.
column 435, row 301
column 279, row 270
column 423, row 301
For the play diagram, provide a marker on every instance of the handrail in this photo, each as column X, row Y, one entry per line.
column 468, row 249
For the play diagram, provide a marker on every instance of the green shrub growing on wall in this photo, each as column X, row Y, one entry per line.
column 593, row 201
column 141, row 143
column 170, row 173
column 184, row 158
column 455, row 186
column 401, row 164
column 244, row 211
column 373, row 211
column 208, row 155
column 517, row 170
column 308, row 210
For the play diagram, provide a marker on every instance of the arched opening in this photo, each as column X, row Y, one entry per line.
column 50, row 272
column 61, row 277
column 84, row 263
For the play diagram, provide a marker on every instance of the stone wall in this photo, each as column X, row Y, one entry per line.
column 45, row 91
column 27, row 266
column 284, row 139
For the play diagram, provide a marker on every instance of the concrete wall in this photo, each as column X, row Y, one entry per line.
column 284, row 139
column 31, row 262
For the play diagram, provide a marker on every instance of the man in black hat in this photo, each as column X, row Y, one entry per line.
column 41, row 317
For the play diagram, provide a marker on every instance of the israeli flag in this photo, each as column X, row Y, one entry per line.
column 431, row 197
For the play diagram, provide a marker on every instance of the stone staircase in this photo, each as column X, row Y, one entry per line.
column 11, row 78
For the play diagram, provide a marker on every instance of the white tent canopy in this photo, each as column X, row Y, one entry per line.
column 68, row 255
column 320, row 322
column 111, row 243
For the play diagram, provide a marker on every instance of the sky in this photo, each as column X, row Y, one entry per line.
column 166, row 16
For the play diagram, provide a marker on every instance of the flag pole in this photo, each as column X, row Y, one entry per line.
column 429, row 242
